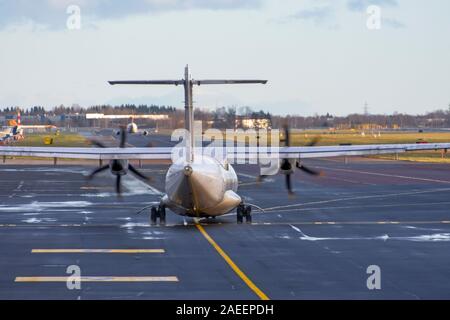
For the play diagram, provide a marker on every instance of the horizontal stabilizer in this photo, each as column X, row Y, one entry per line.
column 149, row 82
column 181, row 82
column 202, row 82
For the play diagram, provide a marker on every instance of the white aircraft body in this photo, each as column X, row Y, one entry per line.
column 16, row 132
column 10, row 134
column 198, row 185
column 132, row 128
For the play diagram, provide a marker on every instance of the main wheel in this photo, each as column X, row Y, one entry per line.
column 153, row 215
column 248, row 214
column 162, row 214
column 240, row 214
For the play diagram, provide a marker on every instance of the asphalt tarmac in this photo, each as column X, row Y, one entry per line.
column 315, row 245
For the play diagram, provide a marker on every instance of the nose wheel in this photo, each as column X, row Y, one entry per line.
column 156, row 213
column 244, row 213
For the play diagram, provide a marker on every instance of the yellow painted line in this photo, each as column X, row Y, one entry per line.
column 97, row 279
column 98, row 251
column 233, row 266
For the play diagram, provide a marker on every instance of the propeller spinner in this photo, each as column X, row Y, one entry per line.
column 286, row 166
column 118, row 167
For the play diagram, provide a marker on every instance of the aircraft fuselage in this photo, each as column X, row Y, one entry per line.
column 204, row 187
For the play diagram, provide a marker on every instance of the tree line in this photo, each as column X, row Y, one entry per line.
column 229, row 117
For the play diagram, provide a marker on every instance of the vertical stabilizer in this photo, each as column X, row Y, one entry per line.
column 188, row 84
column 188, row 115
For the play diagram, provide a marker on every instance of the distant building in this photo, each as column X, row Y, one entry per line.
column 361, row 126
column 370, row 126
column 246, row 122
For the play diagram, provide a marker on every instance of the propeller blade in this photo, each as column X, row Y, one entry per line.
column 289, row 184
column 287, row 136
column 118, row 185
column 123, row 137
column 137, row 173
column 98, row 170
column 260, row 178
column 286, row 165
column 98, row 144
column 308, row 170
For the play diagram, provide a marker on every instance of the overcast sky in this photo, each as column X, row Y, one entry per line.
column 318, row 55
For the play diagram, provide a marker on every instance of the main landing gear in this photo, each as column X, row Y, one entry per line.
column 156, row 213
column 244, row 212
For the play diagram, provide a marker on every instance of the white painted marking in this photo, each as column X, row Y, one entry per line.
column 37, row 206
column 131, row 225
column 423, row 204
column 437, row 237
column 352, row 181
column 254, row 177
column 386, row 175
column 390, row 195
column 32, row 220
column 138, row 187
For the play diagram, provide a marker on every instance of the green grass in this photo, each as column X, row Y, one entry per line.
column 61, row 140
column 327, row 138
column 356, row 138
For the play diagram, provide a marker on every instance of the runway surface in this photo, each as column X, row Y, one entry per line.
column 316, row 245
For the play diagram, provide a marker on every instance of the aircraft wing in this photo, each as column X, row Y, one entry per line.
column 331, row 151
column 88, row 153
column 231, row 153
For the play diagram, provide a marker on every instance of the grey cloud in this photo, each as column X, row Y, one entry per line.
column 52, row 13
column 361, row 5
column 320, row 16
column 316, row 14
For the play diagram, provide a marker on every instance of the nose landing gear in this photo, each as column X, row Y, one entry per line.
column 158, row 213
column 244, row 212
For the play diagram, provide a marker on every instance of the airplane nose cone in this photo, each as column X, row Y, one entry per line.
column 198, row 185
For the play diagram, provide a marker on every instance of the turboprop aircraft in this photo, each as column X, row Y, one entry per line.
column 200, row 185
column 15, row 131
column 11, row 134
column 132, row 128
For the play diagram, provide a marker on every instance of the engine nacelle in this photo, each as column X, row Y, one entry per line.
column 118, row 167
column 145, row 133
column 286, row 166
